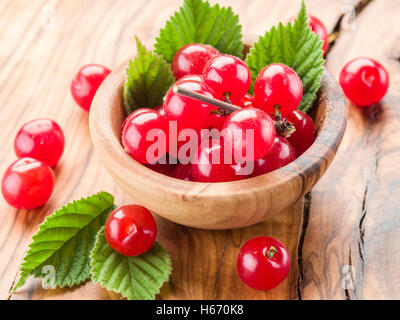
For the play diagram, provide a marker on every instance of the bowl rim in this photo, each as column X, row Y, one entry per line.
column 308, row 164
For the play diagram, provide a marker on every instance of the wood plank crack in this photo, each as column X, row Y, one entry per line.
column 306, row 216
column 361, row 5
column 361, row 226
column 221, row 259
column 346, row 289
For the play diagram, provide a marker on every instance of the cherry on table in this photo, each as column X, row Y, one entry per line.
column 131, row 230
column 280, row 154
column 304, row 135
column 229, row 77
column 192, row 58
column 86, row 82
column 140, row 131
column 278, row 88
column 40, row 139
column 27, row 183
column 364, row 81
column 263, row 263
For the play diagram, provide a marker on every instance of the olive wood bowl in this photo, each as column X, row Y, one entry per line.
column 224, row 205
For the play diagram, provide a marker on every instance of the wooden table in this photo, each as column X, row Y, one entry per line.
column 343, row 242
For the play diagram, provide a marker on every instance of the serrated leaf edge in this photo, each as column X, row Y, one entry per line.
column 302, row 30
column 154, row 59
column 24, row 274
column 235, row 46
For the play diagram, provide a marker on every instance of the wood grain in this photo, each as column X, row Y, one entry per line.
column 359, row 194
column 37, row 65
column 217, row 278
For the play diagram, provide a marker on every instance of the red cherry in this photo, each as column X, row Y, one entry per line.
column 278, row 86
column 304, row 135
column 263, row 263
column 228, row 77
column 191, row 59
column 247, row 101
column 188, row 112
column 211, row 164
column 242, row 170
column 185, row 144
column 364, row 81
column 235, row 132
column 86, row 83
column 183, row 172
column 318, row 28
column 217, row 121
column 166, row 165
column 165, row 169
column 40, row 139
column 190, row 77
column 27, row 183
column 131, row 230
column 160, row 110
column 280, row 154
column 142, row 129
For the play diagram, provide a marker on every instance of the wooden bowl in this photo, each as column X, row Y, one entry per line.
column 225, row 205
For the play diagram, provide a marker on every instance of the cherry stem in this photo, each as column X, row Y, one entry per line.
column 271, row 252
column 227, row 96
column 283, row 127
column 227, row 107
column 277, row 107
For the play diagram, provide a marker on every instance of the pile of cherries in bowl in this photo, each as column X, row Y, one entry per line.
column 198, row 140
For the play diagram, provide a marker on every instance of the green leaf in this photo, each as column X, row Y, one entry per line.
column 64, row 242
column 198, row 22
column 136, row 278
column 296, row 46
column 148, row 77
